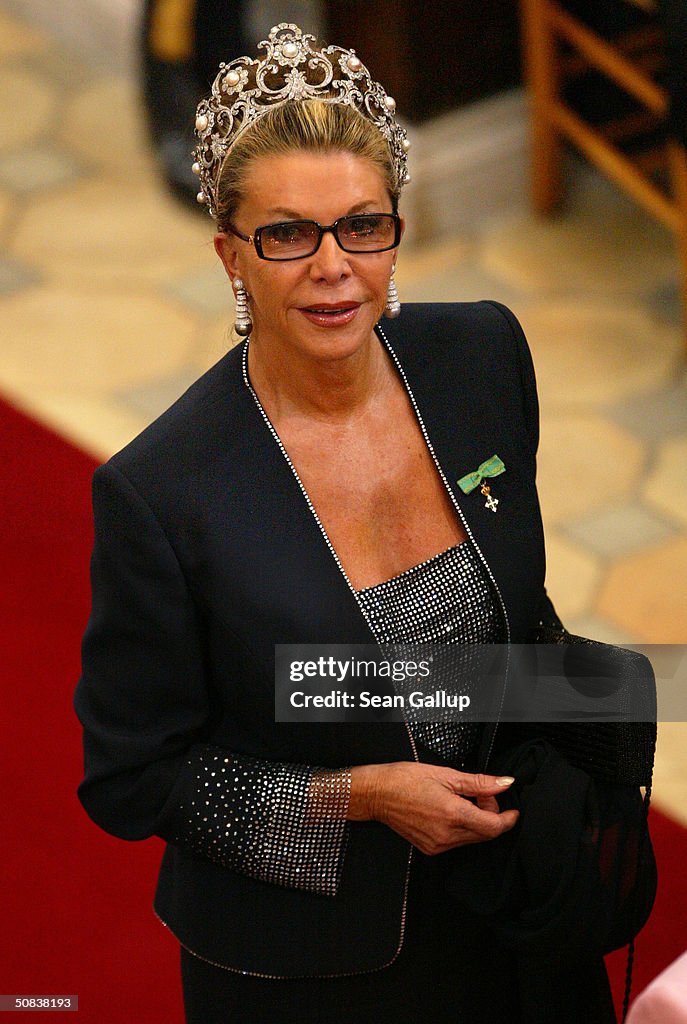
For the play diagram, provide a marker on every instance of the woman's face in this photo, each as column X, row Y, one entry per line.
column 284, row 296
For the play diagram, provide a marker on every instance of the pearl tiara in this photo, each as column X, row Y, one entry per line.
column 292, row 69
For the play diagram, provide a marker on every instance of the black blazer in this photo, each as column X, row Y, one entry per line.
column 206, row 555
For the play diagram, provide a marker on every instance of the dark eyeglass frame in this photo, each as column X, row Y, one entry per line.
column 256, row 238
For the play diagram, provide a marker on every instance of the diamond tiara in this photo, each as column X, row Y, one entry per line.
column 293, row 68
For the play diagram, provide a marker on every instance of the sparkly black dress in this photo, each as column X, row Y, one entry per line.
column 448, row 969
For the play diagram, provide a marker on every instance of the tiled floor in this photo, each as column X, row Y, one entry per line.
column 113, row 301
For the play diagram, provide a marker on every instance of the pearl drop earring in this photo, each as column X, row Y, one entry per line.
column 393, row 306
column 243, row 324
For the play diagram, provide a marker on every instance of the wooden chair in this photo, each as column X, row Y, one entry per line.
column 559, row 48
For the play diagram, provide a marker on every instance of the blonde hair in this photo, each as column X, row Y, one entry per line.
column 310, row 125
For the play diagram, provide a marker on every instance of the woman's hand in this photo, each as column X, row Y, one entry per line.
column 427, row 805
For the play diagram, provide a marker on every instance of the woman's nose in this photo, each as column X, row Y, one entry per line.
column 330, row 262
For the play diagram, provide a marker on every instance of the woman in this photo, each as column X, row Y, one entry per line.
column 304, row 491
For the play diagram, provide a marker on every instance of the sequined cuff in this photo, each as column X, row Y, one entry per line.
column 282, row 823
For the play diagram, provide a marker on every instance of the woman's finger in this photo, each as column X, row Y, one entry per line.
column 466, row 784
column 484, row 823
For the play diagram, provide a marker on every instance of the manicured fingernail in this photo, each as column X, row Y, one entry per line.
column 504, row 780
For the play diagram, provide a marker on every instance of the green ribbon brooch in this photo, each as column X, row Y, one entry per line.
column 492, row 467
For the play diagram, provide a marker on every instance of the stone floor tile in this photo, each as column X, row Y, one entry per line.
column 609, row 351
column 17, row 38
column 619, row 530
column 611, row 212
column 417, row 262
column 669, row 662
column 666, row 484
column 64, row 71
column 15, row 276
column 152, row 397
column 35, row 169
column 656, row 413
column 214, row 340
column 458, row 282
column 669, row 793
column 117, row 143
column 572, row 575
column 206, row 291
column 453, row 204
column 670, row 780
column 27, row 107
column 595, row 627
column 584, row 461
column 665, row 303
column 107, row 234
column 72, row 339
column 8, row 203
column 646, row 593
column 579, row 252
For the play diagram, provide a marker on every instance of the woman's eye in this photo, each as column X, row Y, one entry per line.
column 363, row 225
column 285, row 233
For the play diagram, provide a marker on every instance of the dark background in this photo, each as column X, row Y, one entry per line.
column 432, row 56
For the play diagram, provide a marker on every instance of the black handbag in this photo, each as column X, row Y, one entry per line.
column 587, row 869
column 616, row 751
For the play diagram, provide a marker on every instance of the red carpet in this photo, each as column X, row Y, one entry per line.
column 75, row 910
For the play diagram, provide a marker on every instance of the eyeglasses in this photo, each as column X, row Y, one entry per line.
column 296, row 239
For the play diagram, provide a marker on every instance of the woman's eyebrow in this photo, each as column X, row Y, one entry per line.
column 361, row 206
column 286, row 213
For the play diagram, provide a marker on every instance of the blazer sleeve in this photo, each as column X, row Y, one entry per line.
column 546, row 616
column 143, row 704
